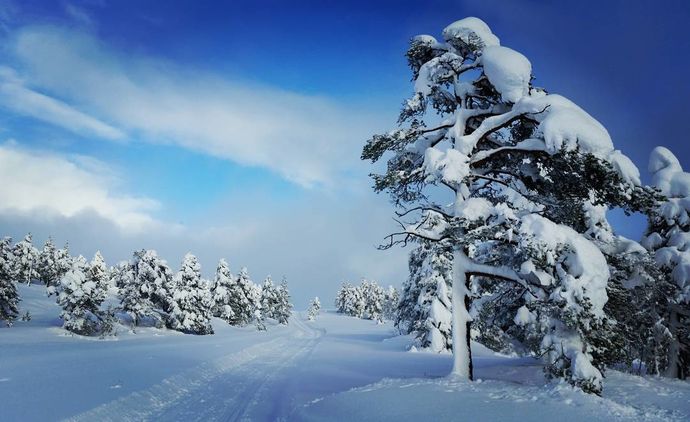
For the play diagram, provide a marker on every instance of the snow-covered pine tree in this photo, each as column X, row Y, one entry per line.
column 97, row 272
column 220, row 291
column 374, row 298
column 26, row 260
column 80, row 294
column 9, row 298
column 242, row 299
column 314, row 309
column 640, row 293
column 269, row 299
column 47, row 264
column 390, row 303
column 149, row 291
column 342, row 298
column 192, row 304
column 121, row 275
column 258, row 316
column 283, row 308
column 425, row 306
column 668, row 237
column 62, row 264
column 521, row 167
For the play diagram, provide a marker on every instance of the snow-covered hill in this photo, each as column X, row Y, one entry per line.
column 334, row 368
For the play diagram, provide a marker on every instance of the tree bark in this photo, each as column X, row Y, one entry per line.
column 462, row 352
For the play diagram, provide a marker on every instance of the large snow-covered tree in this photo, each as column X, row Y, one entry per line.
column 668, row 237
column 192, row 304
column 26, row 260
column 9, row 298
column 521, row 170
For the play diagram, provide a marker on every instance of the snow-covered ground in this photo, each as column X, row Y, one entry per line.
column 334, row 368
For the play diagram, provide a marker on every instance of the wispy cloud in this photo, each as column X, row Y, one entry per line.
column 15, row 96
column 33, row 182
column 307, row 139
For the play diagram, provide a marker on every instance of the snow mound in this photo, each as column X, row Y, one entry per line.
column 668, row 174
column 508, row 71
column 473, row 32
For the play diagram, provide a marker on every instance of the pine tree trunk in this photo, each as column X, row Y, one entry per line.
column 674, row 348
column 462, row 353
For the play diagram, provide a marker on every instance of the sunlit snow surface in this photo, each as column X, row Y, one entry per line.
column 334, row 368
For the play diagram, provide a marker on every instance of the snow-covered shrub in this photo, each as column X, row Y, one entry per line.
column 192, row 304
column 314, row 309
column 525, row 169
column 9, row 298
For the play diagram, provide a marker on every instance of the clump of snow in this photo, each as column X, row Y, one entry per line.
column 524, row 316
column 584, row 272
column 667, row 173
column 451, row 166
column 529, row 270
column 474, row 209
column 428, row 40
column 564, row 125
column 471, row 31
column 508, row 71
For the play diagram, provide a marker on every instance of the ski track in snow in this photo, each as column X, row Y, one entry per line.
column 236, row 387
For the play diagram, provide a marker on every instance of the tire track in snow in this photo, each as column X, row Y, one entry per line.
column 228, row 388
column 278, row 408
column 256, row 391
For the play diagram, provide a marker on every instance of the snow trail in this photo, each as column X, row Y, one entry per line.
column 245, row 385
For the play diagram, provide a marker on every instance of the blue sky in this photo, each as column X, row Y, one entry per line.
column 234, row 128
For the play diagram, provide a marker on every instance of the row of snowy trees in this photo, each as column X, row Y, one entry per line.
column 22, row 262
column 368, row 301
column 506, row 187
column 149, row 292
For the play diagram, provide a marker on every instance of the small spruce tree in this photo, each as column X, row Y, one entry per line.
column 9, row 298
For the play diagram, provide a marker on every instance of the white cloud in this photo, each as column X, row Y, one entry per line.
column 316, row 244
column 34, row 182
column 22, row 100
column 307, row 139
